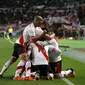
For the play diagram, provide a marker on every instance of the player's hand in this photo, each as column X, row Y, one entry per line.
column 34, row 39
column 45, row 32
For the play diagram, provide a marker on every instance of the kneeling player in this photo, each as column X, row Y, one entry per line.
column 54, row 53
column 39, row 61
column 55, row 60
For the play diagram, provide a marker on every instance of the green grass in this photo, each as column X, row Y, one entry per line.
column 79, row 70
column 73, row 43
column 6, row 49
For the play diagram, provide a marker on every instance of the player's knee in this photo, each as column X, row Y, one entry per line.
column 13, row 59
column 23, row 56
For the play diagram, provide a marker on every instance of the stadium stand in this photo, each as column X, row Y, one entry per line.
column 15, row 11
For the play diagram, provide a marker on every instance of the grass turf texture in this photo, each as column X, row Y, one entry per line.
column 6, row 49
column 73, row 43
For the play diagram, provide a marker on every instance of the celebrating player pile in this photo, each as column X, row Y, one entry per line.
column 39, row 53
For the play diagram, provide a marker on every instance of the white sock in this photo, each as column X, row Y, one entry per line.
column 68, row 72
column 19, row 68
column 28, row 68
column 33, row 73
column 65, row 73
column 5, row 67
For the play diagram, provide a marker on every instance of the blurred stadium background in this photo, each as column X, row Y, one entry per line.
column 19, row 13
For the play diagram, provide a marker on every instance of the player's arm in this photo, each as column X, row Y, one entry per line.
column 39, row 37
column 29, row 51
column 43, row 43
column 26, row 37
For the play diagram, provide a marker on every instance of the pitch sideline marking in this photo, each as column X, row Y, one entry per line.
column 64, row 79
column 67, row 81
column 9, row 41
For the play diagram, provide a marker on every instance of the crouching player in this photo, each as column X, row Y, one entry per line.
column 55, row 60
column 54, row 53
column 39, row 61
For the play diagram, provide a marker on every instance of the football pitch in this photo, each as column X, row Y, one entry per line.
column 6, row 49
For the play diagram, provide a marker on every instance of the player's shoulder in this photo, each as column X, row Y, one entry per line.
column 38, row 31
column 29, row 25
column 38, row 28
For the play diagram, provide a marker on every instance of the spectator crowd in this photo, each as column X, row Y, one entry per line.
column 17, row 11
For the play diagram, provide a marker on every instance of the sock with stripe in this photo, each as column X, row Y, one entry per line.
column 28, row 68
column 19, row 68
column 5, row 67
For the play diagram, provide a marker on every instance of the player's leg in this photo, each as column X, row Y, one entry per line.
column 20, row 66
column 7, row 65
column 56, row 66
column 9, row 62
column 28, row 71
column 10, row 35
column 55, row 59
column 68, row 72
column 47, row 73
column 24, row 61
column 22, row 55
column 31, row 53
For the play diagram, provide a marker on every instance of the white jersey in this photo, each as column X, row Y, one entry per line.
column 53, row 51
column 52, row 48
column 39, row 56
column 29, row 32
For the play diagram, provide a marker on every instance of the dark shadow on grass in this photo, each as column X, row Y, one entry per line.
column 7, row 77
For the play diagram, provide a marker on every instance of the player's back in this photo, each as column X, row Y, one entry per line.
column 39, row 55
